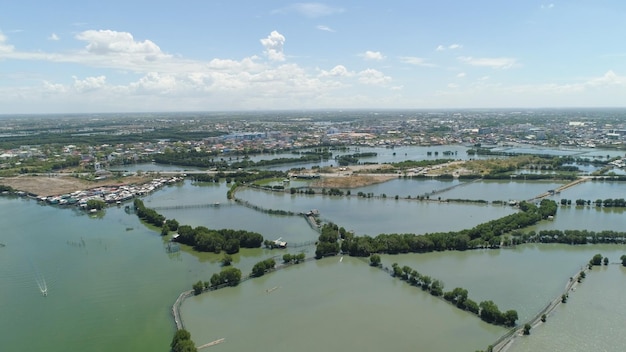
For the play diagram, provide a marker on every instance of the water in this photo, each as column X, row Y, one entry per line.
column 373, row 216
column 107, row 288
column 503, row 190
column 591, row 320
column 111, row 283
column 331, row 305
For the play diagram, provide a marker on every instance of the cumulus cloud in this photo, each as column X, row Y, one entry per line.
column 373, row 55
column 309, row 9
column 461, row 75
column 89, row 84
column 108, row 42
column 325, row 28
column 417, row 61
column 274, row 46
column 337, row 71
column 373, row 77
column 610, row 78
column 54, row 37
column 494, row 62
column 4, row 47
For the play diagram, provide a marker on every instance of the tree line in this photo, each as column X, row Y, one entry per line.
column 488, row 311
column 200, row 238
column 485, row 235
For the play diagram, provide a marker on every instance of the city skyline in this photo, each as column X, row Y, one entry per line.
column 246, row 55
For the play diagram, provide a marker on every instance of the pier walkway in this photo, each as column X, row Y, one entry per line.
column 192, row 206
column 562, row 188
column 212, row 343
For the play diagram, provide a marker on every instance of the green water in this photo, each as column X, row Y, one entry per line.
column 591, row 320
column 333, row 306
column 111, row 283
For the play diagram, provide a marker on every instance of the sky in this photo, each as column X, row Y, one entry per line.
column 211, row 55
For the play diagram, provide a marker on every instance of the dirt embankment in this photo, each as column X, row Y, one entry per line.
column 62, row 184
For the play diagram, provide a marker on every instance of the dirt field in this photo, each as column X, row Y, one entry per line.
column 56, row 185
column 351, row 181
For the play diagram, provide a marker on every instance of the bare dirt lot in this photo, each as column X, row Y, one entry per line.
column 56, row 185
column 353, row 176
column 350, row 181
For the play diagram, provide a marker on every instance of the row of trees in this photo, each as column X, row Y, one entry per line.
column 148, row 215
column 229, row 276
column 487, row 310
column 488, row 234
column 609, row 202
column 567, row 236
column 200, row 238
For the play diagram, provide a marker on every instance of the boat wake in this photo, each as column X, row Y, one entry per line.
column 40, row 280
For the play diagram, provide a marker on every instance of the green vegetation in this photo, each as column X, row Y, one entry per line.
column 229, row 276
column 182, row 342
column 527, row 328
column 293, row 258
column 226, row 260
column 96, row 204
column 7, row 189
column 374, row 260
column 206, row 240
column 148, row 215
column 327, row 243
column 262, row 267
column 486, row 310
column 596, row 260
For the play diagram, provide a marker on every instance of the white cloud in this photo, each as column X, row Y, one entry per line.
column 496, row 62
column 54, row 37
column 373, row 55
column 89, row 84
column 310, row 9
column 417, row 61
column 5, row 48
column 274, row 46
column 547, row 7
column 325, row 28
column 108, row 42
column 337, row 71
column 373, row 77
column 453, row 85
column 449, row 47
column 461, row 75
column 54, row 88
column 608, row 79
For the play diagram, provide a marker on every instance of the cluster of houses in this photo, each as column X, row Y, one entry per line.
column 110, row 194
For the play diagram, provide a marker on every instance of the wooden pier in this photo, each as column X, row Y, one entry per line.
column 212, row 343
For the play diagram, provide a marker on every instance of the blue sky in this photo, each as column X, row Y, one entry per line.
column 127, row 56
